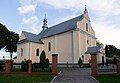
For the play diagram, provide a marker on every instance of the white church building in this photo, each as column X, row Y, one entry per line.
column 69, row 39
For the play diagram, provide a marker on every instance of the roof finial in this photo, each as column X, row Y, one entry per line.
column 45, row 23
column 85, row 11
column 45, row 15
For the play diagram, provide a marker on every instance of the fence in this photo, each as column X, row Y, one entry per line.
column 23, row 67
column 110, row 68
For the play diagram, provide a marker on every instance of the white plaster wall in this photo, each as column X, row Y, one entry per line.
column 29, row 51
column 60, row 44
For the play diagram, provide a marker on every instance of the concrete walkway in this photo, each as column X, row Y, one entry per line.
column 75, row 75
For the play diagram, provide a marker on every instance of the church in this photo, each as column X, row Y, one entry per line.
column 69, row 39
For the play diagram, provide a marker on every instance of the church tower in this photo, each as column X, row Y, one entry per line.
column 45, row 23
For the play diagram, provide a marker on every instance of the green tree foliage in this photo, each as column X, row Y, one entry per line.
column 42, row 57
column 80, row 62
column 3, row 35
column 2, row 63
column 11, row 41
column 43, row 61
column 24, row 65
column 8, row 40
column 112, row 51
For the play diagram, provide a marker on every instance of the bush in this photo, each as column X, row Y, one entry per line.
column 86, row 65
column 24, row 65
column 43, row 61
column 47, row 63
column 80, row 62
column 2, row 65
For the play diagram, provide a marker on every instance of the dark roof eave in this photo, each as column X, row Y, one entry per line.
column 19, row 42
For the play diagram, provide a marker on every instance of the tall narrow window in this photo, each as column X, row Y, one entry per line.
column 49, row 46
column 37, row 52
column 87, row 41
column 86, row 26
column 21, row 51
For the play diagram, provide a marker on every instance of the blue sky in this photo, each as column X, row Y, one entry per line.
column 27, row 15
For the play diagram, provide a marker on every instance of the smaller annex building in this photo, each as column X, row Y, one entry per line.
column 69, row 39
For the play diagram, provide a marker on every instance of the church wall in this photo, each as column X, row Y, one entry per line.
column 60, row 44
column 85, row 37
column 45, row 47
column 77, row 54
column 33, row 48
column 29, row 51
column 65, row 47
column 25, row 52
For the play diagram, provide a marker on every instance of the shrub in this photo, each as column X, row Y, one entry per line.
column 80, row 62
column 24, row 65
column 47, row 63
column 2, row 65
column 43, row 61
column 86, row 65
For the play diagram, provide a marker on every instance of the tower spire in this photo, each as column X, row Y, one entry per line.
column 45, row 23
column 85, row 11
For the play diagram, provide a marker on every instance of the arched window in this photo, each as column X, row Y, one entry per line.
column 21, row 51
column 88, row 42
column 49, row 46
column 37, row 52
column 86, row 26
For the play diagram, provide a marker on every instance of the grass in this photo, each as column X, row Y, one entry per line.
column 111, row 78
column 25, row 78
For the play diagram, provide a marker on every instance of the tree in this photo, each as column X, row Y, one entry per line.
column 8, row 40
column 80, row 62
column 112, row 51
column 3, row 35
column 42, row 59
column 11, row 43
column 106, row 50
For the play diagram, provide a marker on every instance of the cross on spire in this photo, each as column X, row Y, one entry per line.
column 45, row 23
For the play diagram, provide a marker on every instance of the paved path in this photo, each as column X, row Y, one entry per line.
column 75, row 75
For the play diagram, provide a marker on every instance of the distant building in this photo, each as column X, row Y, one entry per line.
column 69, row 39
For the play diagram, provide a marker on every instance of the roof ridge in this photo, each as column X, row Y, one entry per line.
column 65, row 21
column 29, row 32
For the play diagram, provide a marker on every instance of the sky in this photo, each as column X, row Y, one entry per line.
column 28, row 15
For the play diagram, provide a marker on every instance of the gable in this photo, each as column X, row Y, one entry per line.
column 22, row 36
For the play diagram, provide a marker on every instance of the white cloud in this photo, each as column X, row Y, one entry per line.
column 63, row 4
column 31, row 23
column 29, row 20
column 100, row 5
column 26, row 9
column 107, row 34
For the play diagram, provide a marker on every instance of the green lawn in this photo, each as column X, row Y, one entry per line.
column 25, row 78
column 111, row 78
